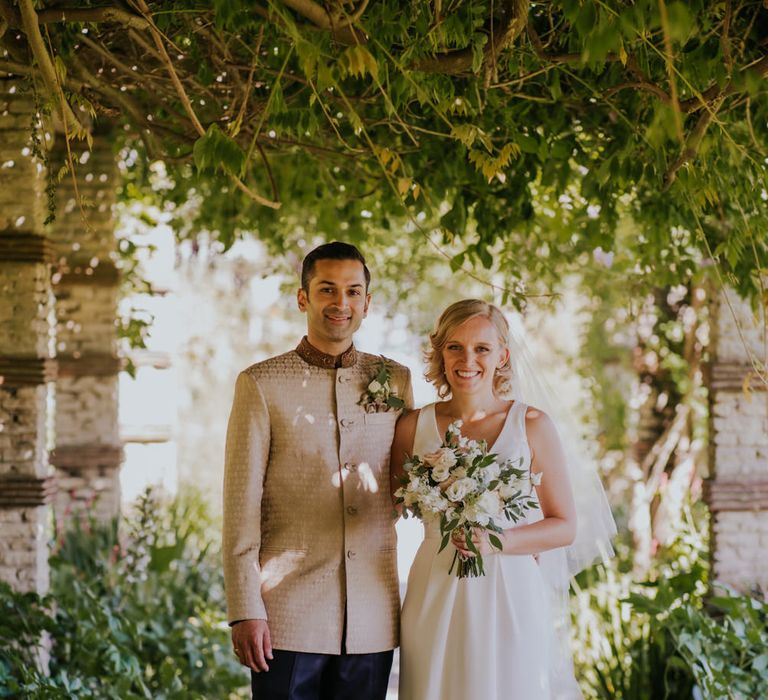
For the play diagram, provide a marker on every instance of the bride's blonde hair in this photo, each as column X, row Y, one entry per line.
column 454, row 316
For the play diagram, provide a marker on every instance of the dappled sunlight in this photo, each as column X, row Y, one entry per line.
column 367, row 478
column 339, row 477
column 278, row 567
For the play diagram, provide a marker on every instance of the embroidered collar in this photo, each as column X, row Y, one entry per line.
column 310, row 354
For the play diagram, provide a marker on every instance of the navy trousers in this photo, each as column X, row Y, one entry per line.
column 295, row 675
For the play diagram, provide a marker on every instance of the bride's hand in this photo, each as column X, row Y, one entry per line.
column 479, row 539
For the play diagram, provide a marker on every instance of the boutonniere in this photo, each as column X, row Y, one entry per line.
column 379, row 395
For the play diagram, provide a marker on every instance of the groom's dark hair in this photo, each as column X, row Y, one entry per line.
column 335, row 250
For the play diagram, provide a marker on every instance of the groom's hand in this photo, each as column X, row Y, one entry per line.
column 252, row 644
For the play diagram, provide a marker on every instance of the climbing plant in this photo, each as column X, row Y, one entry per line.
column 513, row 136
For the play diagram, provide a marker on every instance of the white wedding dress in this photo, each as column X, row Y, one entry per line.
column 485, row 638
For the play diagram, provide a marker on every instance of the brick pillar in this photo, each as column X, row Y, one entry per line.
column 88, row 451
column 737, row 492
column 26, row 368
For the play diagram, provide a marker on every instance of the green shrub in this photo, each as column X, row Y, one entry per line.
column 665, row 639
column 134, row 617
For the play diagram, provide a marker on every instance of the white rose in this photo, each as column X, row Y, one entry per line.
column 442, row 458
column 460, row 488
column 489, row 504
column 374, row 387
column 441, row 473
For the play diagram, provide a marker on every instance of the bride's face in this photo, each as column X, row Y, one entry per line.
column 471, row 355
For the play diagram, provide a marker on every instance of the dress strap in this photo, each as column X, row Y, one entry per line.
column 520, row 409
column 425, row 431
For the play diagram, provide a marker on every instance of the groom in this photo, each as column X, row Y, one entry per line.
column 310, row 565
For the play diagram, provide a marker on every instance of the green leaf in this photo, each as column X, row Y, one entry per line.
column 681, row 21
column 444, row 541
column 217, row 151
column 455, row 219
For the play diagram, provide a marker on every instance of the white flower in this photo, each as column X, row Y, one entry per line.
column 374, row 387
column 490, row 472
column 434, row 501
column 536, row 478
column 475, row 515
column 489, row 504
column 460, row 488
column 442, row 458
column 441, row 473
column 455, row 428
column 410, row 498
column 417, row 485
column 515, row 485
column 459, row 472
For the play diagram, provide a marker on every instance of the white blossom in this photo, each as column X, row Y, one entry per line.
column 442, row 458
column 441, row 473
column 489, row 504
column 461, row 488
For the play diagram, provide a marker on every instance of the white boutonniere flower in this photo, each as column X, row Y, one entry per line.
column 379, row 396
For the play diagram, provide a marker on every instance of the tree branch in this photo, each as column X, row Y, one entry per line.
column 456, row 62
column 692, row 143
column 45, row 65
column 641, row 85
column 342, row 32
column 180, row 91
column 92, row 14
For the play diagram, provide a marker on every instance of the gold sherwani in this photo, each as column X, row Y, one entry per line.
column 308, row 526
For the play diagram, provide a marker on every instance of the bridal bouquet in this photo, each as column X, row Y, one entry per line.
column 466, row 487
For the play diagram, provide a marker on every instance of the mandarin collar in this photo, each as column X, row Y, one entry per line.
column 311, row 355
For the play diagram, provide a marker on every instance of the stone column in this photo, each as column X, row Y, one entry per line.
column 737, row 491
column 88, row 451
column 26, row 368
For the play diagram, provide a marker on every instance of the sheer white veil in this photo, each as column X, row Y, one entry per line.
column 595, row 524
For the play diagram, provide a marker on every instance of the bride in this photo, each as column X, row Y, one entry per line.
column 493, row 637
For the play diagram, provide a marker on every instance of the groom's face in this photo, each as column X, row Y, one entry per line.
column 335, row 303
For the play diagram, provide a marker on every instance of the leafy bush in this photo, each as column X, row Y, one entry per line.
column 665, row 639
column 137, row 618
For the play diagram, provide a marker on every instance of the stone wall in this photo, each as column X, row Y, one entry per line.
column 88, row 452
column 26, row 368
column 737, row 492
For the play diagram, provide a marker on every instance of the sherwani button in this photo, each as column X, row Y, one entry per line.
column 351, row 510
column 351, row 554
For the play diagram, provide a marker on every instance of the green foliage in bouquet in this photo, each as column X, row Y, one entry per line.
column 466, row 488
column 131, row 616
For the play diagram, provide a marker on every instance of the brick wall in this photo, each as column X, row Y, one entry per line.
column 738, row 490
column 88, row 452
column 25, row 365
